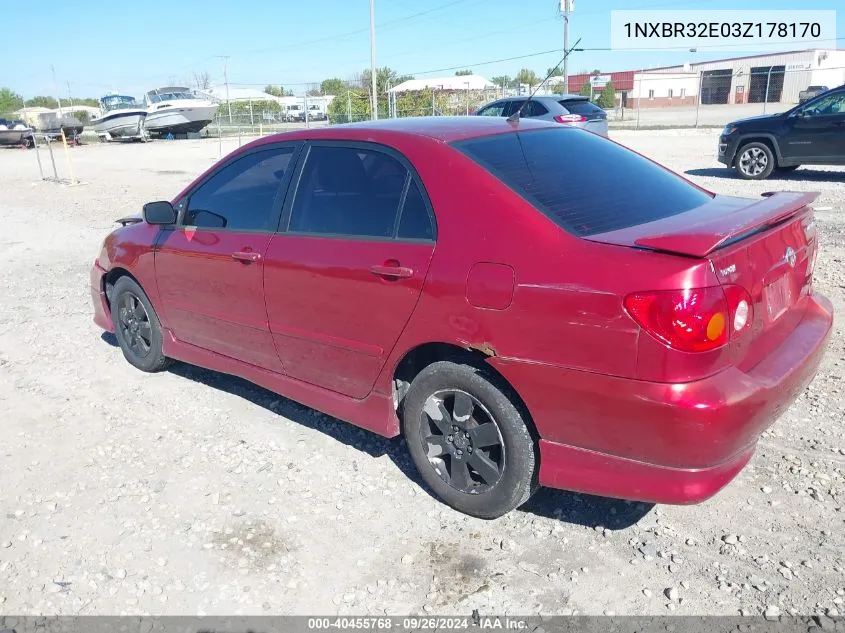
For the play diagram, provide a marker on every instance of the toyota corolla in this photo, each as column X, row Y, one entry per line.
column 528, row 304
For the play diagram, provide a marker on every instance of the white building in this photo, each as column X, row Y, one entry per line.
column 770, row 77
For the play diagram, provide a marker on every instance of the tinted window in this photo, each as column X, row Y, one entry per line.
column 831, row 104
column 534, row 108
column 584, row 182
column 494, row 109
column 581, row 107
column 348, row 191
column 415, row 222
column 240, row 196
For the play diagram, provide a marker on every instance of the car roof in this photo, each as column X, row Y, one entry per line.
column 557, row 97
column 446, row 129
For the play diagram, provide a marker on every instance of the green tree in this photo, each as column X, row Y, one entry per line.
column 557, row 71
column 10, row 101
column 607, row 98
column 462, row 73
column 82, row 116
column 585, row 89
column 353, row 105
column 42, row 102
column 275, row 91
column 502, row 81
column 526, row 76
column 334, row 86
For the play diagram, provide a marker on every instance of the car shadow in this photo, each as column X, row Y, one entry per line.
column 799, row 175
column 568, row 507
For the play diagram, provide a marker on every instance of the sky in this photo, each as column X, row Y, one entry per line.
column 131, row 48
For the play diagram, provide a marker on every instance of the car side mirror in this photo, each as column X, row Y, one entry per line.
column 160, row 212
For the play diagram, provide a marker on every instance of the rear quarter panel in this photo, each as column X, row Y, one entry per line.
column 567, row 308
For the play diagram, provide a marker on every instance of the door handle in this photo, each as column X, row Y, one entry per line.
column 246, row 256
column 391, row 271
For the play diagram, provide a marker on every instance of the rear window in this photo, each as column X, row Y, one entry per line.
column 583, row 182
column 581, row 107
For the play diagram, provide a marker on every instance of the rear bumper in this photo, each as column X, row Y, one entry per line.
column 659, row 442
column 102, row 313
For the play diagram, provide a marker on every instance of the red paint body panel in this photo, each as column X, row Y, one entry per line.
column 690, row 425
column 490, row 286
column 618, row 411
column 581, row 470
column 212, row 300
column 334, row 322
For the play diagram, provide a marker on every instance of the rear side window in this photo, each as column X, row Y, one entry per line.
column 348, row 191
column 581, row 107
column 415, row 223
column 583, row 182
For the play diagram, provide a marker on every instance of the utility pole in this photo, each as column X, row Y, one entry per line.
column 225, row 59
column 373, row 75
column 56, row 88
column 566, row 7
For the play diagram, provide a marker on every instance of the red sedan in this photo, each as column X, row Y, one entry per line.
column 528, row 304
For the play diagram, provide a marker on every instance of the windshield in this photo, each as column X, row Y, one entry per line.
column 170, row 96
column 114, row 102
column 585, row 183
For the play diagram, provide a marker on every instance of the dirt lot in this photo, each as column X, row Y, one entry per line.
column 192, row 492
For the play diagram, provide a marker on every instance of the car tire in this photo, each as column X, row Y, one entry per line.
column 136, row 326
column 754, row 161
column 481, row 460
column 787, row 168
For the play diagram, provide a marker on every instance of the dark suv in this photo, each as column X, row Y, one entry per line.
column 812, row 133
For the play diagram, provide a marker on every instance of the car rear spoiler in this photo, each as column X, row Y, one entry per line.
column 716, row 224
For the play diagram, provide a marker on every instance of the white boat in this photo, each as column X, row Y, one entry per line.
column 177, row 110
column 122, row 117
column 14, row 132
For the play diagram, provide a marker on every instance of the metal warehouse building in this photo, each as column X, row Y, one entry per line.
column 770, row 78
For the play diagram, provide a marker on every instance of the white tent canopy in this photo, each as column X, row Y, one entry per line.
column 455, row 82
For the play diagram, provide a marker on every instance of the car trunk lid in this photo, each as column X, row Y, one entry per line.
column 768, row 247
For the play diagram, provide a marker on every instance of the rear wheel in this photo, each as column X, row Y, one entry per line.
column 755, row 161
column 137, row 327
column 469, row 442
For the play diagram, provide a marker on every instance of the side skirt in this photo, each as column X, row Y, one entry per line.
column 374, row 413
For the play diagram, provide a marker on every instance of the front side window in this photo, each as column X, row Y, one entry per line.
column 494, row 109
column 826, row 106
column 241, row 195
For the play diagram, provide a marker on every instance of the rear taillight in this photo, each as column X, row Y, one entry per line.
column 570, row 118
column 692, row 320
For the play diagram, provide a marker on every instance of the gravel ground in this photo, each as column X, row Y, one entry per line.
column 192, row 492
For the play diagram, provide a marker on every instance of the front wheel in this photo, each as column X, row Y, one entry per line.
column 468, row 441
column 137, row 327
column 755, row 161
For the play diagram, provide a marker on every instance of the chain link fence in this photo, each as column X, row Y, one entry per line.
column 709, row 98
